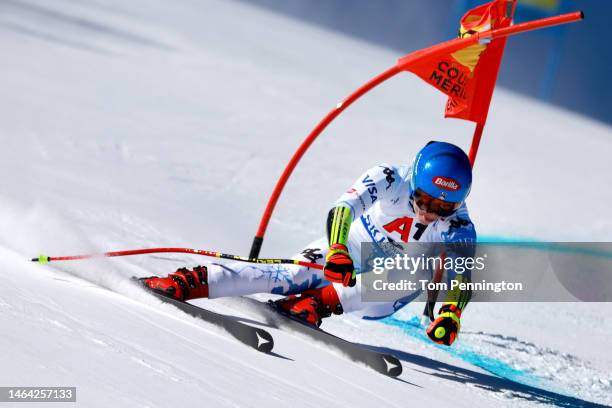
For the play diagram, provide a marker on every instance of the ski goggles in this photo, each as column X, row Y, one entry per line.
column 433, row 205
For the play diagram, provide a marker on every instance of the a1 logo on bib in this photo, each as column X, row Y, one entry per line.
column 403, row 225
column 400, row 225
column 446, row 183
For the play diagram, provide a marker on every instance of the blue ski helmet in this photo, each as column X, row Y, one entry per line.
column 443, row 171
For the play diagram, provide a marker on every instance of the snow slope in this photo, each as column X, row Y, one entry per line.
column 152, row 123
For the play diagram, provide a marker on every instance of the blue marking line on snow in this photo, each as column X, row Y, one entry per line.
column 413, row 328
column 530, row 243
column 497, row 239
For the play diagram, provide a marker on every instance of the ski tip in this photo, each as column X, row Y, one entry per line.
column 265, row 342
column 393, row 367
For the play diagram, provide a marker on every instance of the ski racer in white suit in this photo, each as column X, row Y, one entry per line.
column 423, row 202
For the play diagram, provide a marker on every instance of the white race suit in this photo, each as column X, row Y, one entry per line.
column 382, row 212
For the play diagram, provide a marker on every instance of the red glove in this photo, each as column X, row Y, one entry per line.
column 339, row 266
column 445, row 329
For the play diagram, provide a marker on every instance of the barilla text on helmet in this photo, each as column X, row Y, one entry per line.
column 446, row 183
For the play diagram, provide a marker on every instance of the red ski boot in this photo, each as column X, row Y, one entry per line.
column 312, row 305
column 184, row 284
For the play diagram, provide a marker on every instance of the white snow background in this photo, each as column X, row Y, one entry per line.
column 154, row 123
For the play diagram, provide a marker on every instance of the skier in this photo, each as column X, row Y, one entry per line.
column 424, row 202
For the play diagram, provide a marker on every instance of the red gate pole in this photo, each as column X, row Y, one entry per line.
column 280, row 184
column 402, row 65
column 475, row 142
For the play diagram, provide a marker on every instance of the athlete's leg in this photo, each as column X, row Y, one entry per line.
column 242, row 278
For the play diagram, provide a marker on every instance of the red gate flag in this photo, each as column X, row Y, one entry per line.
column 468, row 74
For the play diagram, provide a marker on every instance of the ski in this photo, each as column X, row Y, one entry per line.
column 254, row 337
column 383, row 363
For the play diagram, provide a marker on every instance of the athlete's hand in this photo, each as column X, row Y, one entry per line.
column 445, row 329
column 339, row 266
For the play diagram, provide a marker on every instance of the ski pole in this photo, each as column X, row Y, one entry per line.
column 42, row 259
